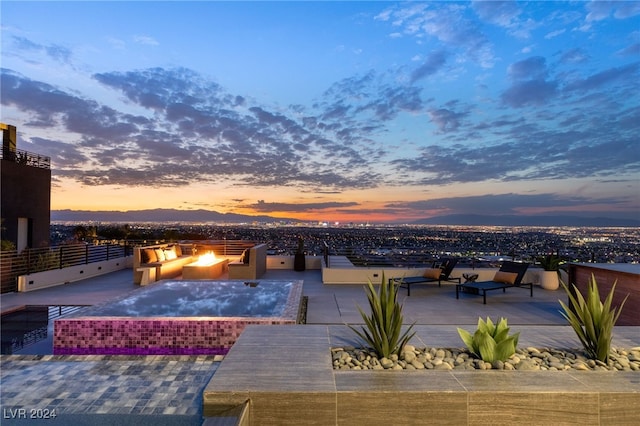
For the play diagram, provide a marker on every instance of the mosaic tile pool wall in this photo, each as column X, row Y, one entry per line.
column 163, row 335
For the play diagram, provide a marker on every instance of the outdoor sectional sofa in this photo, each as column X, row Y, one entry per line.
column 251, row 265
column 158, row 262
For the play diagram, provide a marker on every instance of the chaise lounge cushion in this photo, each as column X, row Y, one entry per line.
column 433, row 273
column 510, row 274
column 505, row 277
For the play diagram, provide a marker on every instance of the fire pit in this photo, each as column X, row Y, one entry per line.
column 207, row 267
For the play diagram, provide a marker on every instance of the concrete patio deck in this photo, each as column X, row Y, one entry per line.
column 285, row 371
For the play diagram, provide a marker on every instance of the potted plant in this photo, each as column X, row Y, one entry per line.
column 299, row 259
column 550, row 277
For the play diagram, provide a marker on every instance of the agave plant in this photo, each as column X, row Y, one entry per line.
column 591, row 319
column 491, row 342
column 383, row 328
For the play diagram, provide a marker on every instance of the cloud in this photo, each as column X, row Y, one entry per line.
column 627, row 72
column 531, row 68
column 554, row 34
column 446, row 120
column 434, row 63
column 574, row 56
column 358, row 104
column 632, row 50
column 525, row 151
column 66, row 155
column 193, row 125
column 530, row 86
column 529, row 93
column 55, row 51
column 446, row 23
column 501, row 13
column 147, row 40
column 600, row 10
column 270, row 207
column 506, row 204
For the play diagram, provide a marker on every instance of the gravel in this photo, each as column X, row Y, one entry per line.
column 525, row 359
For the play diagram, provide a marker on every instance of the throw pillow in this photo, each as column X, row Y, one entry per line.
column 149, row 256
column 433, row 273
column 505, row 277
column 245, row 256
column 160, row 255
column 170, row 255
column 178, row 250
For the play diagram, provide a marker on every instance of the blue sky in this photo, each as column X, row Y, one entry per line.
column 330, row 111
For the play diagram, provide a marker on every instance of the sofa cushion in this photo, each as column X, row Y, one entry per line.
column 245, row 256
column 149, row 256
column 160, row 254
column 170, row 254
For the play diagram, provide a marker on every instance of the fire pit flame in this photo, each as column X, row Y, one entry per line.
column 206, row 259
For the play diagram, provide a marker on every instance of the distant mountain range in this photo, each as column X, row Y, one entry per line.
column 202, row 216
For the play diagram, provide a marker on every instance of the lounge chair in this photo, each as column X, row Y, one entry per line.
column 509, row 275
column 439, row 272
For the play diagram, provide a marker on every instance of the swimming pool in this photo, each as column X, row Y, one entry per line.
column 178, row 318
column 28, row 330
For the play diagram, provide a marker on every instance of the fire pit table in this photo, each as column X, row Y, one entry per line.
column 204, row 269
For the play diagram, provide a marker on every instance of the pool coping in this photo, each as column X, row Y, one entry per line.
column 284, row 374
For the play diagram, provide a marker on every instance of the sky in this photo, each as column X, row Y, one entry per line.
column 331, row 111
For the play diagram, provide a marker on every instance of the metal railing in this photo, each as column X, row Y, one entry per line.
column 222, row 247
column 26, row 158
column 366, row 255
column 31, row 260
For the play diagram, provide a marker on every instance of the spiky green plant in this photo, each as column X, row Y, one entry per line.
column 383, row 328
column 550, row 262
column 491, row 342
column 591, row 319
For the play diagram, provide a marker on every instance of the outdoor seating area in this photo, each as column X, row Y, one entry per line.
column 251, row 265
column 440, row 271
column 158, row 262
column 509, row 275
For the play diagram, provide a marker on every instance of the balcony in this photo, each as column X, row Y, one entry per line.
column 26, row 158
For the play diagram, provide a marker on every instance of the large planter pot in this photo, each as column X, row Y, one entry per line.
column 299, row 262
column 549, row 280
